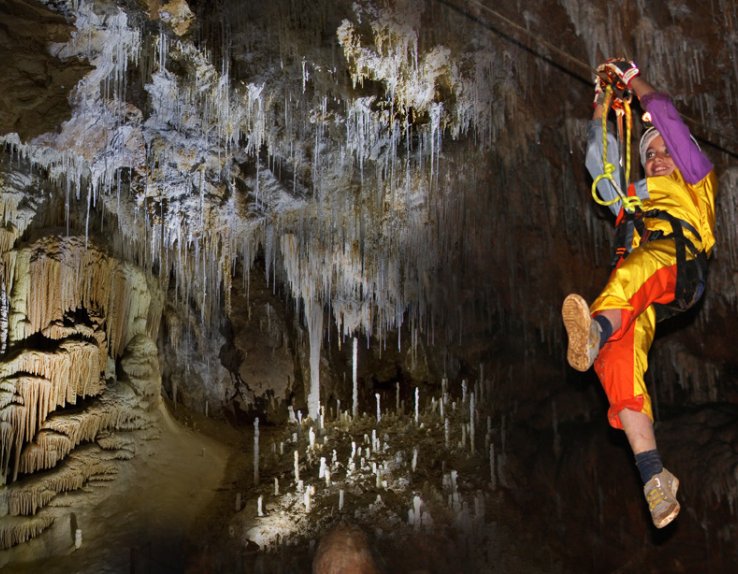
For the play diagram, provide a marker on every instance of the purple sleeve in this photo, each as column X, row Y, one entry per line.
column 687, row 156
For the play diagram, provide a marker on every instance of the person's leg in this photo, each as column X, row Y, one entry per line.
column 613, row 316
column 659, row 485
column 647, row 276
column 621, row 366
column 638, row 430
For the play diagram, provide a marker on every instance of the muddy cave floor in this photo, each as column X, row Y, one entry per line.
column 187, row 503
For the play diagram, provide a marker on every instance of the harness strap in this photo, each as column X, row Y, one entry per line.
column 691, row 273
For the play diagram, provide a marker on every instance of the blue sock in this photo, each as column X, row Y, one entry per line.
column 606, row 327
column 648, row 463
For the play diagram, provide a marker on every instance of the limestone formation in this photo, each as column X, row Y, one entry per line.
column 71, row 309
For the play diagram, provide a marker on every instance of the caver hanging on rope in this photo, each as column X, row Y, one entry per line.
column 666, row 225
column 691, row 262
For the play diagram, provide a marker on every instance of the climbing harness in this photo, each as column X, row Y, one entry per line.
column 691, row 273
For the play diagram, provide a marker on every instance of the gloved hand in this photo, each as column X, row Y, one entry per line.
column 619, row 72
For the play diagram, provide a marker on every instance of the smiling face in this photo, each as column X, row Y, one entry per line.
column 658, row 159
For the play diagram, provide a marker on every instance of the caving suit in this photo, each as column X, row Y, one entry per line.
column 648, row 273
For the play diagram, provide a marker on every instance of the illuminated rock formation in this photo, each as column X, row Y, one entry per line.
column 72, row 312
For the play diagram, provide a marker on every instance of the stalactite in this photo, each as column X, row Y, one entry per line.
column 37, row 491
column 17, row 530
column 53, row 380
column 59, row 435
column 73, row 275
column 197, row 122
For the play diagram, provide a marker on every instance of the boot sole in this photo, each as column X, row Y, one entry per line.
column 577, row 321
column 669, row 518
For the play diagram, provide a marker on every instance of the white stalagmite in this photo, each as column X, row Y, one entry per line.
column 314, row 315
column 256, row 450
column 354, row 378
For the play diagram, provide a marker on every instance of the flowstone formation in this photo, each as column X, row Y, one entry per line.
column 71, row 312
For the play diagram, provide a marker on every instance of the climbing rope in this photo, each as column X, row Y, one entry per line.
column 621, row 105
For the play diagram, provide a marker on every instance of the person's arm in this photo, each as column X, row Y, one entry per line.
column 593, row 158
column 688, row 157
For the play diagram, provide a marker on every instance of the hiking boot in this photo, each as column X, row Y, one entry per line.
column 660, row 493
column 582, row 331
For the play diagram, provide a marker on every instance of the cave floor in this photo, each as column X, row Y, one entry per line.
column 143, row 519
column 171, row 508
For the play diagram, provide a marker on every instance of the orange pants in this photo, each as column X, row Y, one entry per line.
column 646, row 276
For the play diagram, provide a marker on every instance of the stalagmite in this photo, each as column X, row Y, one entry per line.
column 354, row 379
column 472, row 420
column 256, row 450
column 314, row 315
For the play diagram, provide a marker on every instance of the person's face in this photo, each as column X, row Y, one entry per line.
column 658, row 159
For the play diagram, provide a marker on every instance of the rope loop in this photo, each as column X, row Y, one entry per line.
column 622, row 108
